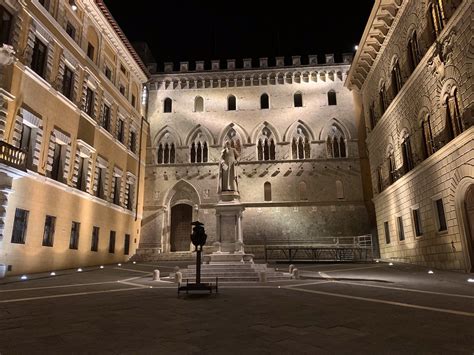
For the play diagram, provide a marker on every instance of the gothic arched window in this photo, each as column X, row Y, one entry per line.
column 235, row 140
column 413, row 52
column 396, row 78
column 391, row 166
column 298, row 99
column 382, row 100
column 267, row 191
column 198, row 104
column 300, row 146
column 264, row 102
column 407, row 153
column 332, row 98
column 231, row 103
column 437, row 17
column 166, row 152
column 266, row 145
column 336, row 143
column 199, row 150
column 428, row 147
column 167, row 105
column 453, row 113
column 302, row 191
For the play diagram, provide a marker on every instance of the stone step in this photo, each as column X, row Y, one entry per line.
column 223, row 266
column 224, row 279
column 223, row 274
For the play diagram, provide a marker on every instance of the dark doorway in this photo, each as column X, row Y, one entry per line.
column 469, row 205
column 181, row 218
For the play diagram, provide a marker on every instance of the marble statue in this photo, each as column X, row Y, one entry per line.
column 227, row 169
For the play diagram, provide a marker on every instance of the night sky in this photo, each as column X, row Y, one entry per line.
column 189, row 30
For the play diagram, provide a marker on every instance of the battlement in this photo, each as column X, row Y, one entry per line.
column 261, row 63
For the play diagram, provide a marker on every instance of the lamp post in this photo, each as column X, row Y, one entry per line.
column 198, row 238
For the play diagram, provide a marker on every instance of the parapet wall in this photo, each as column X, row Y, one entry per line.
column 248, row 63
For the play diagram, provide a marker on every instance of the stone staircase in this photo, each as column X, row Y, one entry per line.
column 175, row 256
column 233, row 272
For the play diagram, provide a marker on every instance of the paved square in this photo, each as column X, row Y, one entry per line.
column 333, row 308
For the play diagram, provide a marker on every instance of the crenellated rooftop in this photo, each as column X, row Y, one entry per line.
column 247, row 64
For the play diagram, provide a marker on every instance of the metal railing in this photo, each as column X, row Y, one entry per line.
column 12, row 156
column 363, row 241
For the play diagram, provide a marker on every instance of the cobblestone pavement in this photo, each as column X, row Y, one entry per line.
column 333, row 308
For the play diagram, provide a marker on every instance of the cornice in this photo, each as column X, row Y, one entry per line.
column 249, row 77
column 99, row 14
column 382, row 21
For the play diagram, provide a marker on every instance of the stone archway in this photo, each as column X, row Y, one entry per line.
column 469, row 225
column 181, row 218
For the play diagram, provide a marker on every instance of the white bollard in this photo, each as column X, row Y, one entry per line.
column 290, row 268
column 178, row 277
column 156, row 275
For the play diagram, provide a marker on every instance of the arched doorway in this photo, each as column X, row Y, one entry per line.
column 469, row 209
column 181, row 218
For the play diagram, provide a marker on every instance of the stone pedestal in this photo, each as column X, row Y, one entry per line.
column 229, row 234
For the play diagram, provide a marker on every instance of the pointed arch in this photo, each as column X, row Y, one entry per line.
column 244, row 136
column 259, row 128
column 293, row 128
column 200, row 129
column 167, row 130
column 198, row 104
column 334, row 122
column 182, row 192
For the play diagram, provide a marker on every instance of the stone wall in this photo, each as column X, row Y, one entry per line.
column 306, row 201
column 445, row 63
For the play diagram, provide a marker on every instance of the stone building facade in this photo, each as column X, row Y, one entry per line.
column 413, row 80
column 299, row 174
column 72, row 136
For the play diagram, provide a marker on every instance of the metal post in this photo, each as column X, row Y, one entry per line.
column 198, row 265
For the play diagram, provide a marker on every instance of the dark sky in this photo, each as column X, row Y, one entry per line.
column 189, row 30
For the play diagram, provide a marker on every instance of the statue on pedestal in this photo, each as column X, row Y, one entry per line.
column 227, row 169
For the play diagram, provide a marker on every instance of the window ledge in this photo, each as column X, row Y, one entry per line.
column 67, row 101
column 38, row 78
column 88, row 118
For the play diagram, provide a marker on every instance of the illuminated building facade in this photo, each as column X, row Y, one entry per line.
column 299, row 174
column 72, row 136
column 413, row 79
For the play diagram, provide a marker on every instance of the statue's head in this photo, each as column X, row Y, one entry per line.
column 227, row 144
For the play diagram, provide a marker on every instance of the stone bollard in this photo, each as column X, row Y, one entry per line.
column 3, row 270
column 290, row 268
column 295, row 274
column 156, row 275
column 178, row 277
column 262, row 275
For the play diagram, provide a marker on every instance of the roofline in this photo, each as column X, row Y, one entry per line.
column 110, row 19
column 359, row 51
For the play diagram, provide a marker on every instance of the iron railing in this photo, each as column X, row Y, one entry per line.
column 12, row 156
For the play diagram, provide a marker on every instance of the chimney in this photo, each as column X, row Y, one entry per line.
column 263, row 62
